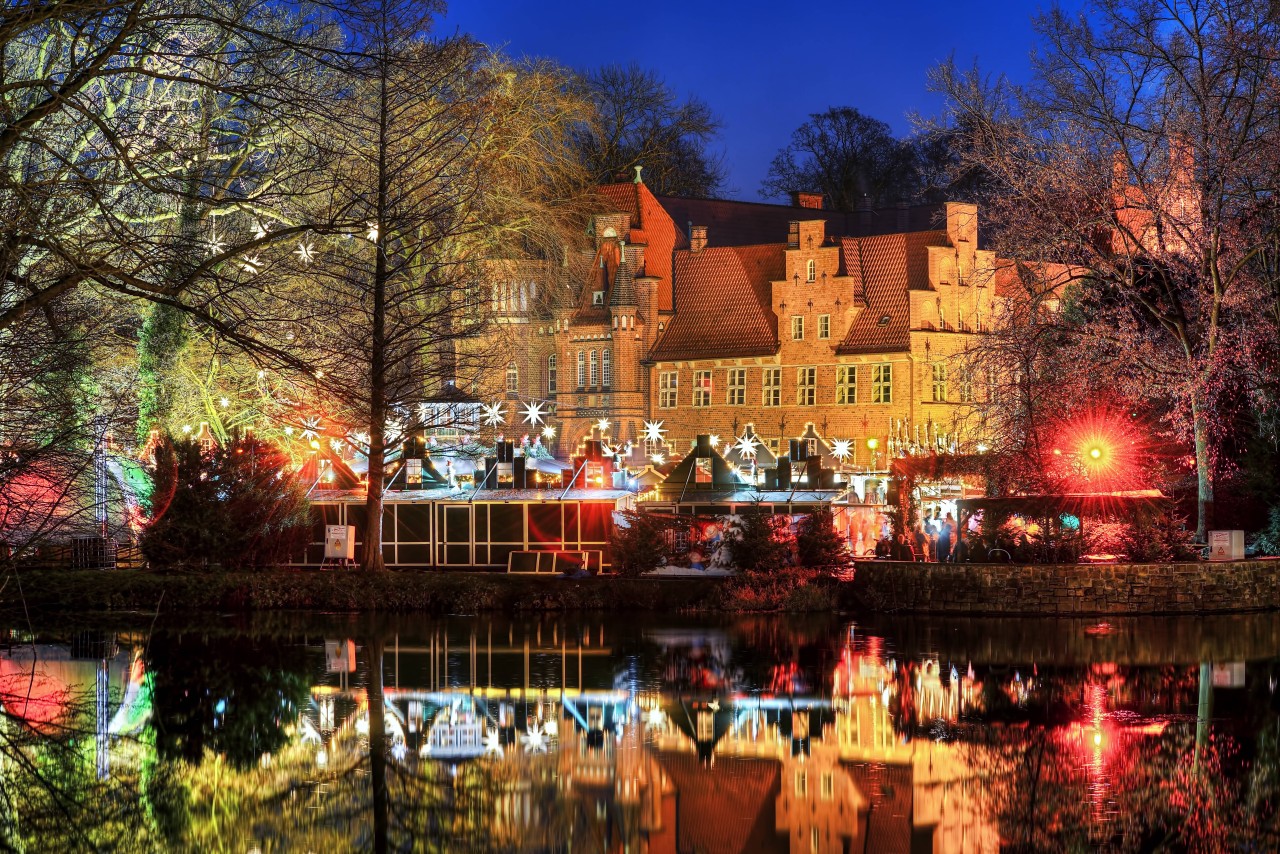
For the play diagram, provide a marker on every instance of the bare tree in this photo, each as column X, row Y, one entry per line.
column 640, row 121
column 1145, row 156
column 850, row 158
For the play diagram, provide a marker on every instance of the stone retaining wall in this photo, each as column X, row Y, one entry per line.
column 1179, row 588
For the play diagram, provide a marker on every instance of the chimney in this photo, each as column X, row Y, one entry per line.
column 793, row 234
column 800, row 199
column 697, row 238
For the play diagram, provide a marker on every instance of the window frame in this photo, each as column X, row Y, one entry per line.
column 806, row 385
column 882, row 382
column 824, row 327
column 797, row 327
column 668, row 389
column 513, row 378
column 771, row 387
column 703, row 387
column 938, row 382
column 846, row 385
column 552, row 374
column 736, row 387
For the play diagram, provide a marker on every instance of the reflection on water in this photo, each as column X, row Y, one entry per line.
column 594, row 734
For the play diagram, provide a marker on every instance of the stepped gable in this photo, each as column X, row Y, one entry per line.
column 724, row 304
column 683, row 479
column 727, row 809
column 888, row 266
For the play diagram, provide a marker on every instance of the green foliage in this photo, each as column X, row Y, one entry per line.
column 164, row 335
column 638, row 545
column 819, row 545
column 237, row 506
column 1267, row 541
column 759, row 542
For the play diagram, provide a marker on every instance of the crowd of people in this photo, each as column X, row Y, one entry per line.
column 939, row 539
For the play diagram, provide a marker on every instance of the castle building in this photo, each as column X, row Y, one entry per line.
column 848, row 331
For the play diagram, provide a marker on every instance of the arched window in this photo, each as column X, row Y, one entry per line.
column 811, row 271
column 513, row 379
column 595, row 368
column 607, row 369
column 551, row 374
column 582, row 369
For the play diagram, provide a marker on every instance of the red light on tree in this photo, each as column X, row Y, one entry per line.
column 1101, row 449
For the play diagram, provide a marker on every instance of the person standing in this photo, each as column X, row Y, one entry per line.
column 945, row 533
column 922, row 543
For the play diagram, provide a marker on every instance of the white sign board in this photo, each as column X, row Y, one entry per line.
column 339, row 542
column 1226, row 545
column 340, row 656
column 1228, row 675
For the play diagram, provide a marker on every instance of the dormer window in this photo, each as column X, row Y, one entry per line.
column 884, row 320
column 811, row 271
column 597, row 297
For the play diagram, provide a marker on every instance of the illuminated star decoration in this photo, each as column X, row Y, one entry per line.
column 494, row 414
column 658, row 459
column 216, row 243
column 493, row 743
column 251, row 264
column 603, row 425
column 305, row 252
column 393, row 430
column 746, row 447
column 841, row 449
column 534, row 742
column 311, row 428
column 653, row 431
column 533, row 413
column 372, row 233
column 261, row 231
column 548, row 432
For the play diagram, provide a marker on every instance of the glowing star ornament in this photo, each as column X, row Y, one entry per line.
column 714, row 441
column 534, row 741
column 492, row 743
column 306, row 252
column 603, row 425
column 658, row 459
column 653, row 431
column 842, row 449
column 251, row 264
column 261, row 232
column 215, row 243
column 746, row 447
column 494, row 415
column 533, row 413
column 548, row 432
column 393, row 431
column 372, row 233
column 310, row 428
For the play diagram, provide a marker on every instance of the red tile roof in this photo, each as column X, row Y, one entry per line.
column 723, row 302
column 884, row 268
column 735, row 223
column 652, row 226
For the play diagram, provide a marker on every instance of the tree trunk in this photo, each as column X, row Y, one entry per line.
column 378, row 748
column 1204, row 477
column 377, row 357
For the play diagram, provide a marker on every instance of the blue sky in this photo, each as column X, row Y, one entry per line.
column 765, row 66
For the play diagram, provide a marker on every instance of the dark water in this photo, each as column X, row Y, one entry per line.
column 590, row 733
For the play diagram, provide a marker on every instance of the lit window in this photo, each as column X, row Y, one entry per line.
column 607, row 368
column 939, row 382
column 811, row 271
column 882, row 383
column 737, row 394
column 966, row 385
column 513, row 379
column 701, row 388
column 668, row 389
column 595, row 368
column 551, row 374
column 846, row 385
column 797, row 327
column 824, row 326
column 772, row 385
column 828, row 786
column 582, row 369
column 806, row 386
column 802, row 783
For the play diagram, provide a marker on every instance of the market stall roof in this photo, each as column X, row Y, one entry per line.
column 754, row 496
column 1073, row 503
column 464, row 496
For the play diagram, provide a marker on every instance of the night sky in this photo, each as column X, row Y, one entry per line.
column 765, row 66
